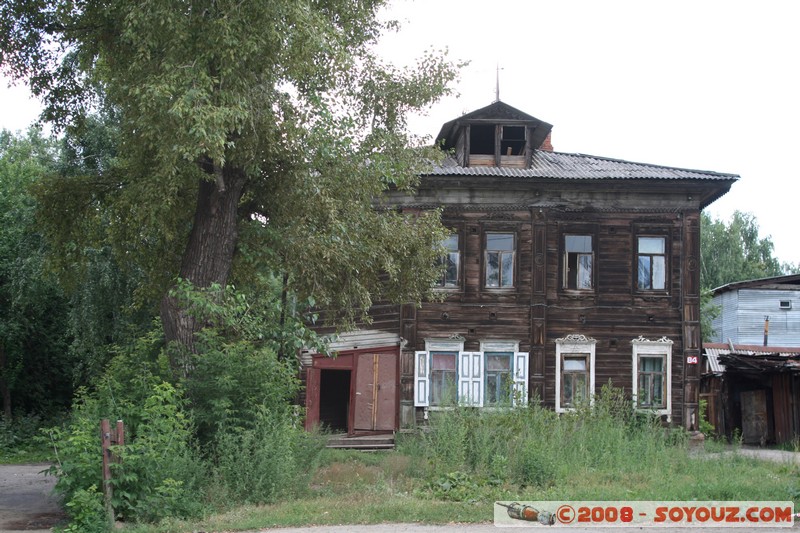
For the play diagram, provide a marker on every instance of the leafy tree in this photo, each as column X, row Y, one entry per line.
column 57, row 332
column 735, row 252
column 34, row 373
column 251, row 135
column 105, row 311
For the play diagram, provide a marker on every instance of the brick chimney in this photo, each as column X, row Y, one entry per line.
column 547, row 144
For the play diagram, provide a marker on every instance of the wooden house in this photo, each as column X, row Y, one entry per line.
column 564, row 272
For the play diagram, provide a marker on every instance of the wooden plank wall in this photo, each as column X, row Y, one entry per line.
column 537, row 311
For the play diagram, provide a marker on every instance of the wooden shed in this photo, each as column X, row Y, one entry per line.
column 753, row 391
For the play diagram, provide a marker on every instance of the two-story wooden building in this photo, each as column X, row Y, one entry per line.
column 564, row 272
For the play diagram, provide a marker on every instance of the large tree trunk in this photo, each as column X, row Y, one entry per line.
column 208, row 256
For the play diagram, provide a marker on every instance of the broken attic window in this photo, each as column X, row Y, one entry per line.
column 512, row 141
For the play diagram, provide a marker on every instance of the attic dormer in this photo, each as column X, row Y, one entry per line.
column 496, row 135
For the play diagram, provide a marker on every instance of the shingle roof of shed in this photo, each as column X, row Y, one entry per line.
column 558, row 165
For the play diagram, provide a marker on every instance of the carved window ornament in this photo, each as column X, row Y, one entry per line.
column 446, row 375
column 651, row 380
column 575, row 363
column 576, row 339
column 641, row 340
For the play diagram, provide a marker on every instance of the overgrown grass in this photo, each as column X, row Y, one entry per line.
column 468, row 458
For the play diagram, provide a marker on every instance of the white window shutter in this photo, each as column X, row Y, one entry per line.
column 421, row 380
column 470, row 379
column 521, row 378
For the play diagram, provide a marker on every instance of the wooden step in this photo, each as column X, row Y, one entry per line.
column 362, row 442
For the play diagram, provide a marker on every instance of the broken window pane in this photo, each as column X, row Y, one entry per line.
column 578, row 259
column 500, row 259
column 652, row 263
column 451, row 261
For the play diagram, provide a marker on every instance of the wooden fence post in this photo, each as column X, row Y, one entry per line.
column 108, row 438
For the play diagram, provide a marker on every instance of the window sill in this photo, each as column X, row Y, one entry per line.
column 491, row 408
column 652, row 294
column 657, row 412
column 578, row 294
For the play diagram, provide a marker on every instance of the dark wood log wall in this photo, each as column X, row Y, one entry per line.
column 537, row 311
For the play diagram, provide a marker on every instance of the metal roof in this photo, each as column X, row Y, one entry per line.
column 559, row 165
column 788, row 282
column 715, row 351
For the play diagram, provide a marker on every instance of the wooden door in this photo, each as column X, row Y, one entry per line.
column 754, row 417
column 375, row 402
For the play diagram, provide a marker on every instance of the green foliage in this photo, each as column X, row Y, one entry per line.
column 20, row 440
column 706, row 427
column 273, row 458
column 734, row 251
column 235, row 370
column 18, row 431
column 56, row 332
column 35, row 374
column 236, row 404
column 526, row 446
column 86, row 512
column 160, row 472
column 455, row 486
column 281, row 105
column 231, row 381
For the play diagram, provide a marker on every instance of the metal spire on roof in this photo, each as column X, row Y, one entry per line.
column 497, row 85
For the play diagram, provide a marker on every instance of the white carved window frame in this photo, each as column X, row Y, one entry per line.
column 520, row 362
column 574, row 345
column 422, row 361
column 646, row 347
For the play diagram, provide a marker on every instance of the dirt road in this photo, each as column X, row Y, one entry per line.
column 26, row 502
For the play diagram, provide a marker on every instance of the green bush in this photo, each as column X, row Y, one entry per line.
column 159, row 474
column 232, row 381
column 86, row 511
column 533, row 466
column 274, row 458
column 205, row 429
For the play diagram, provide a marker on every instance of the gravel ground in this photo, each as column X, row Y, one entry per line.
column 26, row 502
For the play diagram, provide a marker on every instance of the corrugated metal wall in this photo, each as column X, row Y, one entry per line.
column 743, row 313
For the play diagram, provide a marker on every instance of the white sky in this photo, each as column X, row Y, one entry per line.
column 701, row 84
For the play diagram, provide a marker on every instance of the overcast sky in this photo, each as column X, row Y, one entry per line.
column 701, row 84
